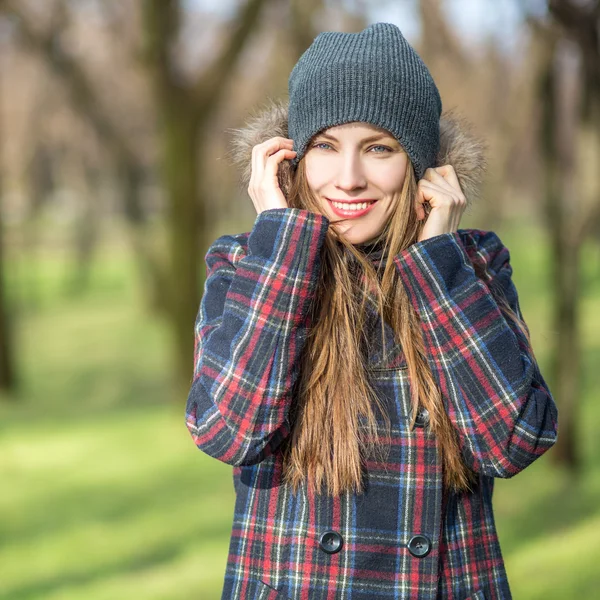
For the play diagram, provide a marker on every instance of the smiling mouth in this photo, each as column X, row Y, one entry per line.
column 351, row 204
column 351, row 209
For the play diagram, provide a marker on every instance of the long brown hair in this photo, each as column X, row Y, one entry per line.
column 333, row 418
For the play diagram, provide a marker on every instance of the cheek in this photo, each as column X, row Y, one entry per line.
column 318, row 172
column 391, row 179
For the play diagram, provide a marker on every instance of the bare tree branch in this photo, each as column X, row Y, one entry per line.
column 161, row 20
column 210, row 85
column 85, row 101
column 582, row 21
column 438, row 38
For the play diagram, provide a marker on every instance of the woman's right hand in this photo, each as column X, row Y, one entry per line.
column 264, row 186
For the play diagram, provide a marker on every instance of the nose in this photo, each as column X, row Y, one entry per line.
column 350, row 175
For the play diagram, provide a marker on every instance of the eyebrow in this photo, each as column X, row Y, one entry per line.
column 372, row 138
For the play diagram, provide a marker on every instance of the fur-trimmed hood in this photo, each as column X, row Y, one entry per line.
column 459, row 147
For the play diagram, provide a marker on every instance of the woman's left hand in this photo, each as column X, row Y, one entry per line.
column 440, row 188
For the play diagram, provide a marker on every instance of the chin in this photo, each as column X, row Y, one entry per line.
column 358, row 237
column 356, row 240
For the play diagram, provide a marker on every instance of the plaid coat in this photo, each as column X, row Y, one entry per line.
column 405, row 537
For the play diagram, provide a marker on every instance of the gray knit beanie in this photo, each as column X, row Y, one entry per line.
column 373, row 76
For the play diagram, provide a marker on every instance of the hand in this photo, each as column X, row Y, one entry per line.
column 440, row 188
column 264, row 186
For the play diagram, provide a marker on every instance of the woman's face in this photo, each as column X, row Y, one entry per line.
column 354, row 163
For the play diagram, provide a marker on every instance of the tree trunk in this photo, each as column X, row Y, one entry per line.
column 560, row 96
column 180, row 165
column 7, row 369
column 184, row 112
column 567, row 358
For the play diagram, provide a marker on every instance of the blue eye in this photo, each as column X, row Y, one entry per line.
column 326, row 146
column 386, row 149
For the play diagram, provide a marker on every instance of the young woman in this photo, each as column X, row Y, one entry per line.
column 360, row 361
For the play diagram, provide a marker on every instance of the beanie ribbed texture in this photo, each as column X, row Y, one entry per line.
column 373, row 76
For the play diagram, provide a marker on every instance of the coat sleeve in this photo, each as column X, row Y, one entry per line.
column 491, row 386
column 249, row 333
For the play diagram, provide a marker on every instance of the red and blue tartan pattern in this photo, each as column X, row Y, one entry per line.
column 250, row 331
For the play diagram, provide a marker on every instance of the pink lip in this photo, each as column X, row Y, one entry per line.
column 351, row 213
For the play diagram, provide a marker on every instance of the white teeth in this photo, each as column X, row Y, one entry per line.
column 349, row 206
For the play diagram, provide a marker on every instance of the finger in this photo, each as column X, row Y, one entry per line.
column 253, row 169
column 433, row 176
column 261, row 151
column 273, row 144
column 449, row 174
column 257, row 164
column 431, row 196
column 420, row 209
column 422, row 205
column 275, row 138
column 442, row 195
column 274, row 148
column 272, row 164
column 433, row 191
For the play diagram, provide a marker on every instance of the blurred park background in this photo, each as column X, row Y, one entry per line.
column 115, row 176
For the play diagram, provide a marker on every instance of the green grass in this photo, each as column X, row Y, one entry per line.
column 563, row 564
column 120, row 499
column 104, row 495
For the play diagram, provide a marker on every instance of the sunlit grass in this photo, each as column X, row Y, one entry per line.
column 562, row 564
column 107, row 499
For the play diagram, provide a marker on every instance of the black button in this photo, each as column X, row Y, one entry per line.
column 331, row 542
column 422, row 418
column 419, row 546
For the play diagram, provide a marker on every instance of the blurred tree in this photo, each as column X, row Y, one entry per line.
column 495, row 94
column 439, row 41
column 302, row 26
column 185, row 111
column 457, row 73
column 569, row 93
column 85, row 178
column 7, row 354
column 7, row 369
column 46, row 43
